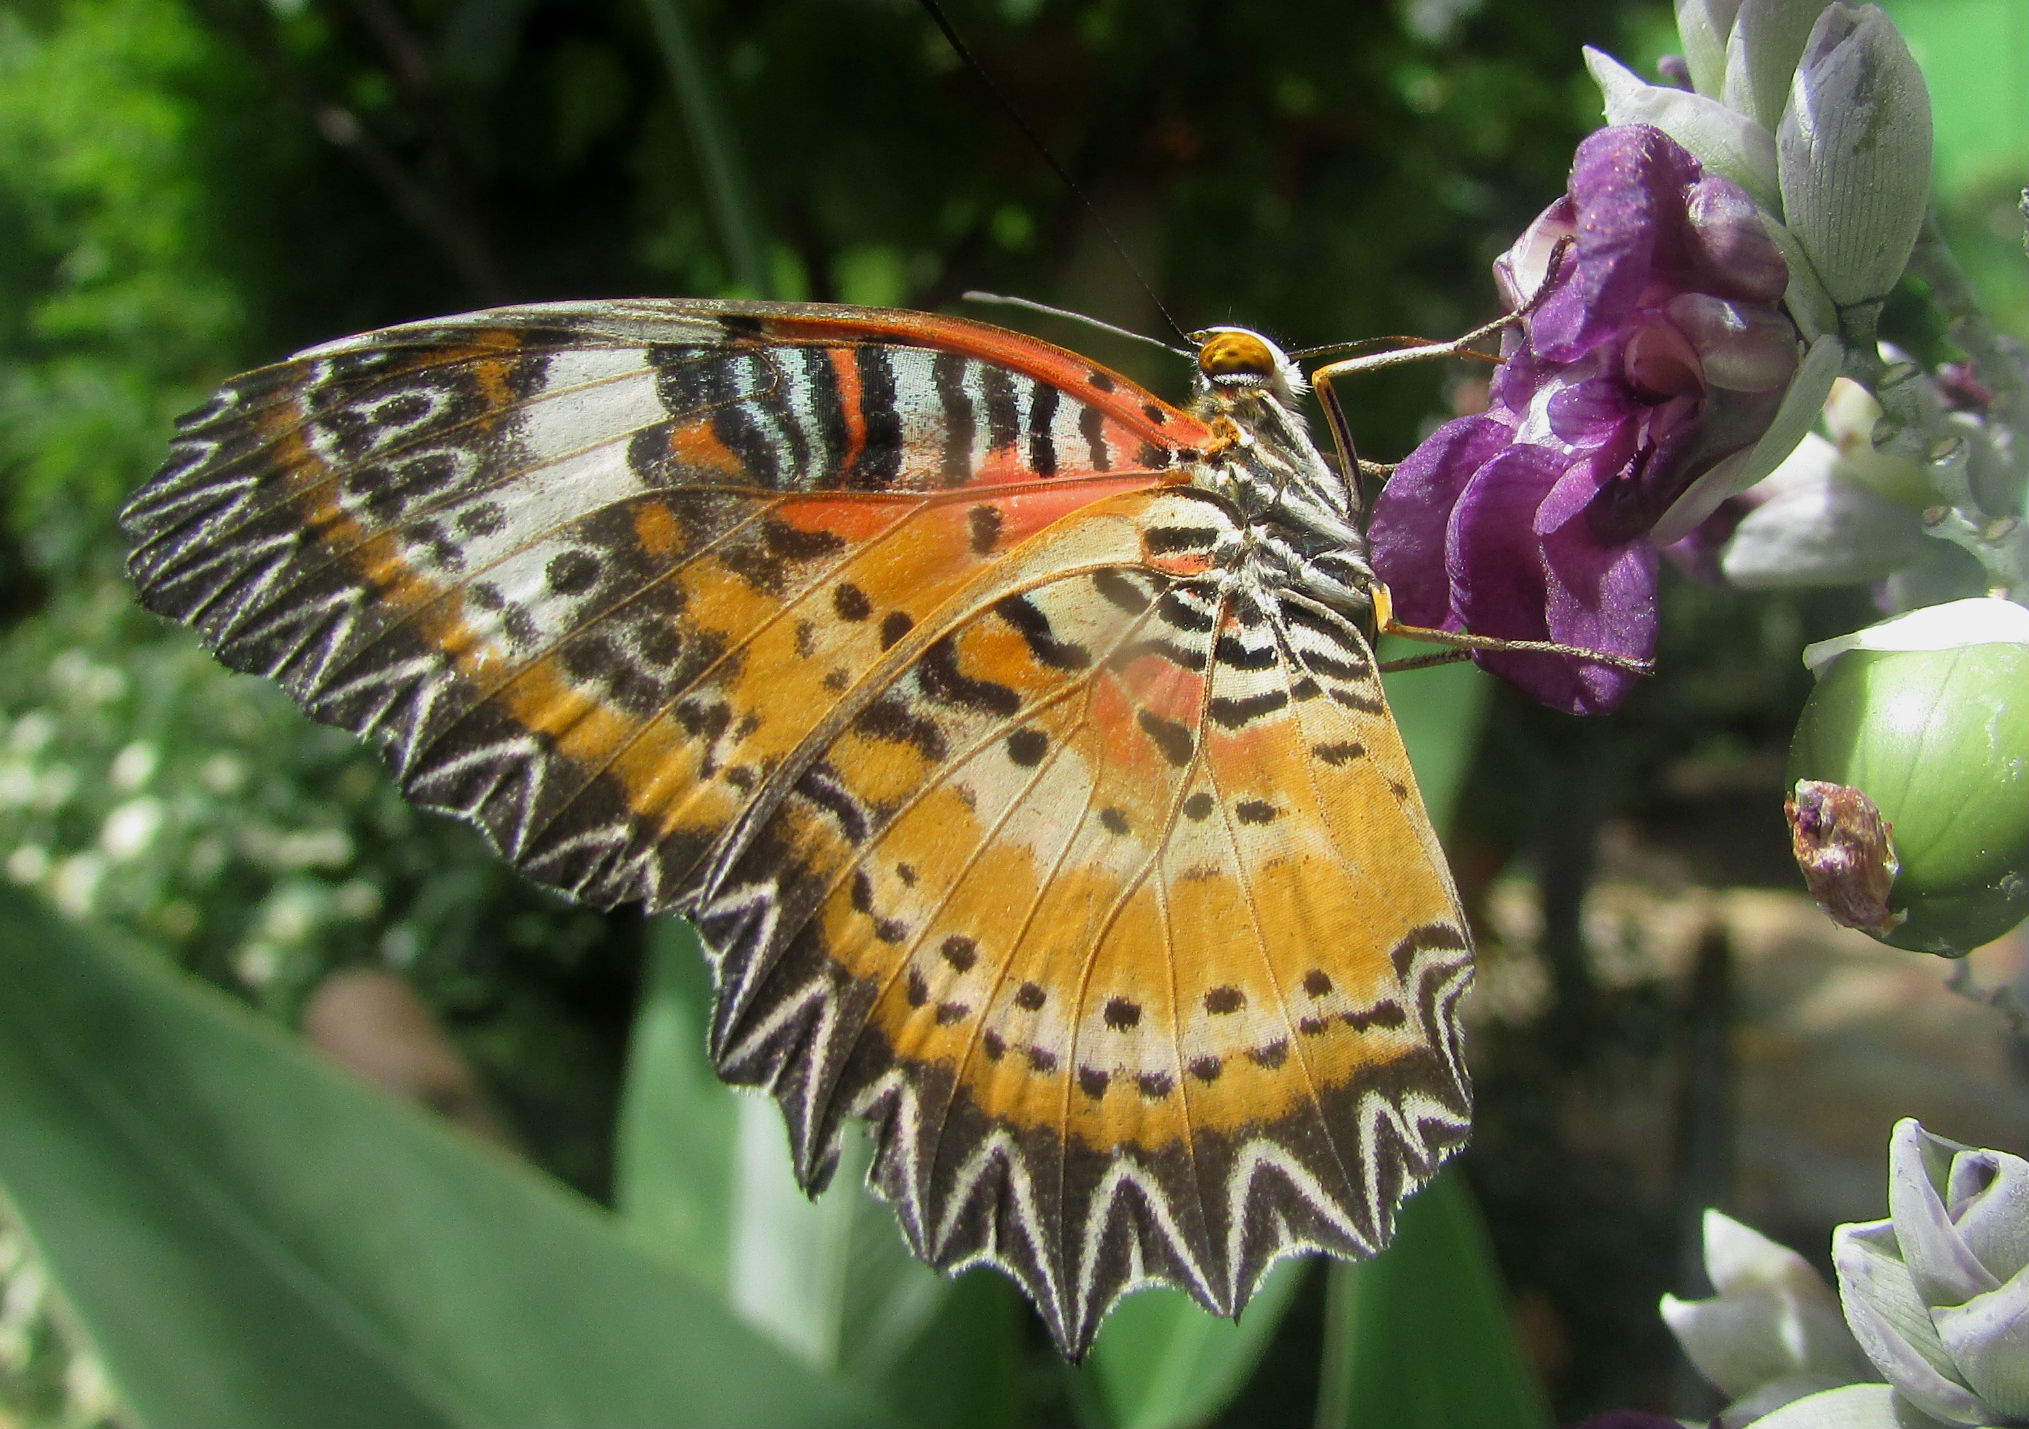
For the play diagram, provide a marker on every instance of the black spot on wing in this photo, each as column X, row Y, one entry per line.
column 1042, row 440
column 894, row 625
column 1171, row 738
column 1026, row 747
column 1120, row 592
column 880, row 454
column 1166, row 540
column 1036, row 632
column 1221, row 1001
column 961, row 423
column 1236, row 655
column 1233, row 712
column 891, row 718
column 942, row 680
column 1003, row 415
column 1092, row 427
column 850, row 602
column 833, row 439
column 983, row 528
column 739, row 433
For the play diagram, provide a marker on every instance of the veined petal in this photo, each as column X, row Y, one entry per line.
column 1413, row 512
column 1943, row 1266
column 1726, row 143
column 1734, row 253
column 1988, row 1339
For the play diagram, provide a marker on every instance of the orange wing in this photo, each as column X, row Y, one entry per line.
column 891, row 649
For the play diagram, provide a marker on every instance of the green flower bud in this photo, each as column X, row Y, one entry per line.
column 1928, row 716
column 1853, row 153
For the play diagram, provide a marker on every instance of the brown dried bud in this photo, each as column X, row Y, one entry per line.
column 1842, row 845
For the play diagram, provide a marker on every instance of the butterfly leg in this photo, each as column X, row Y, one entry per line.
column 1462, row 642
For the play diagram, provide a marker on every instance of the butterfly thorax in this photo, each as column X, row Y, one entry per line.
column 1301, row 532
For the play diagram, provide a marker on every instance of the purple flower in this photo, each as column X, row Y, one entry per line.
column 1656, row 358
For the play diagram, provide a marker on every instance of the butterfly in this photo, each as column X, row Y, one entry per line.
column 1011, row 736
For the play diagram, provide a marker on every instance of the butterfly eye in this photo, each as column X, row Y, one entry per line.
column 1234, row 354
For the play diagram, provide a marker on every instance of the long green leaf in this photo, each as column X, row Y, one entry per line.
column 706, row 1171
column 1163, row 1362
column 248, row 1236
column 1419, row 1337
column 679, row 1124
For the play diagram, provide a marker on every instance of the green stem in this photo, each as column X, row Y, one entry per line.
column 727, row 192
column 1335, row 1369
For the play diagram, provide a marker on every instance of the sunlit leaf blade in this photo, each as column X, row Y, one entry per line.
column 673, row 1157
column 706, row 1172
column 1162, row 1363
column 1419, row 1337
column 249, row 1237
column 1439, row 711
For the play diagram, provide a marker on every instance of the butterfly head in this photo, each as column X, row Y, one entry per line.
column 1237, row 359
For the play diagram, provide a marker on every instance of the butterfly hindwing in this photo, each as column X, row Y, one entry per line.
column 893, row 650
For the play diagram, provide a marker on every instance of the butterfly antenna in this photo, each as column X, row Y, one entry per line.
column 1004, row 300
column 936, row 13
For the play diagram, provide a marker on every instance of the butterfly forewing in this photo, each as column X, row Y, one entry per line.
column 894, row 650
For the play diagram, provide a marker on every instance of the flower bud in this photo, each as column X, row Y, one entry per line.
column 1853, row 153
column 1767, row 40
column 1938, row 1294
column 1841, row 843
column 1819, row 522
column 1771, row 1333
column 1928, row 715
column 1703, row 27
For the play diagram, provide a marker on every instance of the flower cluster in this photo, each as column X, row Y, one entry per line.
column 1721, row 252
column 1654, row 355
column 1709, row 288
column 1930, row 1327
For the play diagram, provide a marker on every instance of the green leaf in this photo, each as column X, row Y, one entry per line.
column 1438, row 709
column 706, row 1171
column 1161, row 1361
column 679, row 1124
column 1419, row 1337
column 248, row 1236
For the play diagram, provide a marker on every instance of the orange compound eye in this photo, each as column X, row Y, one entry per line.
column 1235, row 354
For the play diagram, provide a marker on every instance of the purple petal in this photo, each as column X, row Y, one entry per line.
column 1524, row 585
column 1590, row 410
column 1739, row 348
column 1602, row 599
column 1413, row 511
column 1659, row 360
column 1730, row 248
column 1628, row 183
column 1521, row 271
